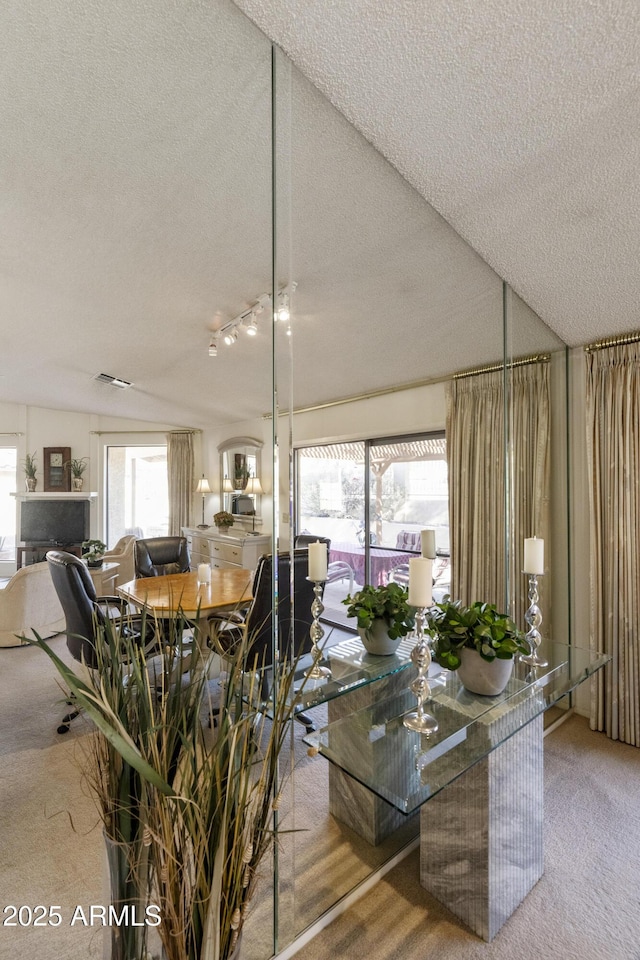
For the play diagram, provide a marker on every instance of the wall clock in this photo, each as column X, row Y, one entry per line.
column 57, row 477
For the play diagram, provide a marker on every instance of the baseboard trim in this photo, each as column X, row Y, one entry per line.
column 345, row 902
column 557, row 723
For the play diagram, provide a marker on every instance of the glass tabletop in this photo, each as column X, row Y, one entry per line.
column 407, row 768
column 350, row 667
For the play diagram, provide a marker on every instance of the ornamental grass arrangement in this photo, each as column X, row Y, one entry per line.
column 188, row 811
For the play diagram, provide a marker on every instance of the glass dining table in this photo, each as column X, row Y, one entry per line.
column 476, row 783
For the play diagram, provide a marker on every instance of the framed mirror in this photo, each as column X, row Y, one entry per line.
column 240, row 481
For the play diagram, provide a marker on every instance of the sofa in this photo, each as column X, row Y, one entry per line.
column 29, row 602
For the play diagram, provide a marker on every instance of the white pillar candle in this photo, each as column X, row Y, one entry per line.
column 204, row 573
column 317, row 561
column 428, row 542
column 533, row 556
column 420, row 581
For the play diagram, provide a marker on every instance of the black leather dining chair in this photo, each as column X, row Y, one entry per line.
column 159, row 556
column 86, row 614
column 294, row 619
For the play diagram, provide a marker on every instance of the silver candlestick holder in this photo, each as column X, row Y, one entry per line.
column 533, row 616
column 315, row 671
column 421, row 657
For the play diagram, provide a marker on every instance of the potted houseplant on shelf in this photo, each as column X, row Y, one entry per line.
column 77, row 468
column 93, row 552
column 383, row 616
column 223, row 520
column 477, row 641
column 29, row 466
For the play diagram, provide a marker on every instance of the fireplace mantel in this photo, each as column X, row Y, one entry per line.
column 62, row 495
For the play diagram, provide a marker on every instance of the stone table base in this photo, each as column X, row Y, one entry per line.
column 481, row 838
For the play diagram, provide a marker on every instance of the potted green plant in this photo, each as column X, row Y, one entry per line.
column 29, row 466
column 93, row 552
column 478, row 641
column 383, row 616
column 240, row 476
column 77, row 468
column 223, row 520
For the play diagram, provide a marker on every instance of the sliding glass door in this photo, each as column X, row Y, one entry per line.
column 137, row 500
column 407, row 493
column 372, row 498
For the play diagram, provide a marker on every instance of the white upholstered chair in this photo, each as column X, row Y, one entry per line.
column 29, row 602
column 124, row 554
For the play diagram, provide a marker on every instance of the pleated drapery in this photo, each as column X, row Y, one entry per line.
column 477, row 478
column 530, row 473
column 180, row 467
column 613, row 446
column 475, row 457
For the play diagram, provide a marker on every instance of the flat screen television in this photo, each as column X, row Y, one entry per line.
column 54, row 521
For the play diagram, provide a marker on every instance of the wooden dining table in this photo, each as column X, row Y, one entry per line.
column 230, row 588
column 180, row 593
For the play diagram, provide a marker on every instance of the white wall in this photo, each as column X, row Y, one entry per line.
column 39, row 427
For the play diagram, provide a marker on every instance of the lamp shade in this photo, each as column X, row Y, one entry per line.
column 253, row 485
column 203, row 485
column 227, row 486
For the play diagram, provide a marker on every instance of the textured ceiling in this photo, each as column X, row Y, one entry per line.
column 518, row 121
column 135, row 203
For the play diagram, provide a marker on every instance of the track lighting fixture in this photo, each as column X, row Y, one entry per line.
column 251, row 325
column 248, row 320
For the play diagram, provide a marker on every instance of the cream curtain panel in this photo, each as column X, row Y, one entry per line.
column 180, row 467
column 477, row 477
column 530, row 473
column 475, row 456
column 613, row 445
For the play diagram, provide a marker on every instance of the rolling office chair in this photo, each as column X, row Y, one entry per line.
column 159, row 556
column 85, row 613
column 256, row 624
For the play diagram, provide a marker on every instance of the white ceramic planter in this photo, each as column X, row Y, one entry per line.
column 376, row 640
column 480, row 676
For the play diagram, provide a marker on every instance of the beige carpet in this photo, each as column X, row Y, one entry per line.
column 587, row 905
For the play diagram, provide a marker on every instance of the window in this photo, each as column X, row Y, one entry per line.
column 372, row 498
column 8, row 481
column 137, row 492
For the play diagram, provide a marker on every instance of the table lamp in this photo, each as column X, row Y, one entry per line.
column 203, row 488
column 253, row 487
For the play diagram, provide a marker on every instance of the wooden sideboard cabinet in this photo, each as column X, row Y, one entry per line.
column 225, row 550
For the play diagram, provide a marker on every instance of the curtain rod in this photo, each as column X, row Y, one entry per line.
column 106, row 433
column 494, row 367
column 612, row 342
column 412, row 385
column 369, row 395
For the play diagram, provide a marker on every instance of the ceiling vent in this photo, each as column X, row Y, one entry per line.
column 114, row 381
